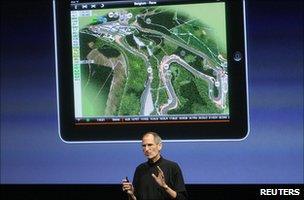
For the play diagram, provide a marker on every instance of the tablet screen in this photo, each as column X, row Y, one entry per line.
column 147, row 62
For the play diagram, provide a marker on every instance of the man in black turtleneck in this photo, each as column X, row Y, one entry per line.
column 158, row 178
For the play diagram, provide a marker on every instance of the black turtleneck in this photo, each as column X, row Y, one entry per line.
column 146, row 188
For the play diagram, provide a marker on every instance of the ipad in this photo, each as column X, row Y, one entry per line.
column 176, row 67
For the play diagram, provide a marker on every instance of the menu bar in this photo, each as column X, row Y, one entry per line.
column 110, row 4
column 88, row 5
column 151, row 118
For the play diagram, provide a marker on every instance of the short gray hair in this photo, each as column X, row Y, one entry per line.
column 157, row 138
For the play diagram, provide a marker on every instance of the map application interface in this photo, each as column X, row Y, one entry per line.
column 142, row 62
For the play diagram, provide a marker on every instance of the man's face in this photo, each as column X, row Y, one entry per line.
column 150, row 148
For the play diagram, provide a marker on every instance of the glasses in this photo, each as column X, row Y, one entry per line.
column 148, row 145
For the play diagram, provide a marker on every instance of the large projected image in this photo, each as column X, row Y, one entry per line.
column 150, row 61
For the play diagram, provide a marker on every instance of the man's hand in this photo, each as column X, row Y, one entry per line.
column 127, row 187
column 160, row 178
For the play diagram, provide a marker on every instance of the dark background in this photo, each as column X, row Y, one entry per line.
column 32, row 152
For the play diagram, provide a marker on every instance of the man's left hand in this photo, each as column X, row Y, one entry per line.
column 160, row 178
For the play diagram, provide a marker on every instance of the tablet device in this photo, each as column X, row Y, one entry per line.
column 176, row 67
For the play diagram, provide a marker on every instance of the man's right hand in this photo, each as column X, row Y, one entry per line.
column 128, row 187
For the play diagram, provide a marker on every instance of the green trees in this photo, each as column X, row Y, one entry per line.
column 135, row 85
column 130, row 105
column 192, row 93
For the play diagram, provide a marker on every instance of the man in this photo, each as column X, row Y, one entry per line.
column 158, row 178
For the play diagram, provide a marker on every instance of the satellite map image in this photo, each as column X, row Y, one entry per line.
column 159, row 60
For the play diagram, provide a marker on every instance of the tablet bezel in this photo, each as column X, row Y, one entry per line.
column 236, row 129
